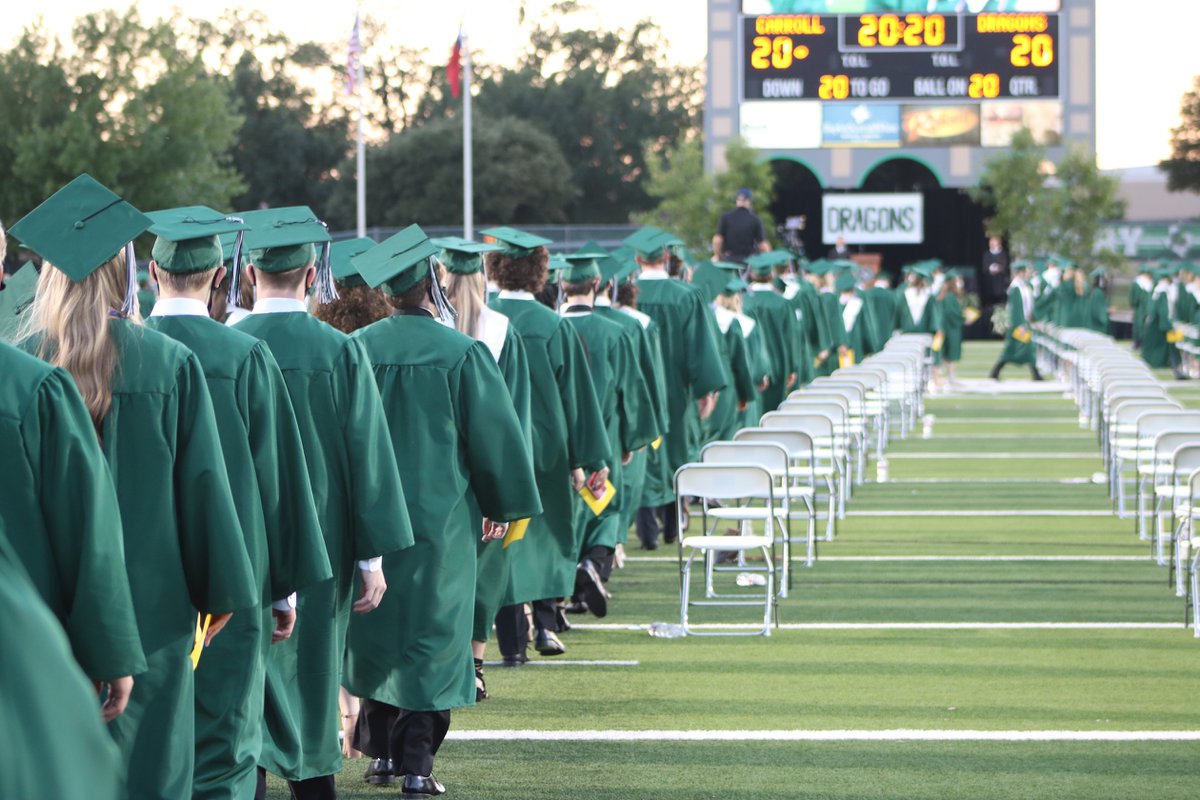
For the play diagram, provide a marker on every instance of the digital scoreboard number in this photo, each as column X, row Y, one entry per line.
column 925, row 57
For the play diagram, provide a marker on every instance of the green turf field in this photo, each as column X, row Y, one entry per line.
column 940, row 625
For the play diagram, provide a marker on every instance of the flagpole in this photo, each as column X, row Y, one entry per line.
column 361, row 152
column 468, row 185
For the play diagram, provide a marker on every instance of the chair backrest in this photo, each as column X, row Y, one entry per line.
column 1153, row 423
column 771, row 455
column 1186, row 459
column 1127, row 411
column 850, row 398
column 723, row 481
column 1113, row 395
column 815, row 425
column 1166, row 443
column 838, row 411
column 797, row 443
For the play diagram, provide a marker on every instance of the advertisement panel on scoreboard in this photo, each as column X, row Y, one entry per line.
column 923, row 73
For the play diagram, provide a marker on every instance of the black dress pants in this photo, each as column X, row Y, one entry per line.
column 512, row 626
column 651, row 518
column 322, row 788
column 411, row 739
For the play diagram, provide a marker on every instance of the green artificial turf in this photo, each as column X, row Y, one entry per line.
column 995, row 679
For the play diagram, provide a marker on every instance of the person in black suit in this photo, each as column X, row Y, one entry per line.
column 995, row 277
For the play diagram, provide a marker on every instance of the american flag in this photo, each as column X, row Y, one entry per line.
column 353, row 55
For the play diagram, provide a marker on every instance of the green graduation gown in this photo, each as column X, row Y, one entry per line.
column 1014, row 351
column 776, row 319
column 46, row 702
column 357, row 490
column 273, row 496
column 831, row 309
column 907, row 299
column 625, row 406
column 184, row 549
column 146, row 300
column 856, row 321
column 882, row 303
column 73, row 551
column 643, row 333
column 568, row 432
column 465, row 455
column 951, row 315
column 692, row 369
column 493, row 562
column 1157, row 321
column 743, row 387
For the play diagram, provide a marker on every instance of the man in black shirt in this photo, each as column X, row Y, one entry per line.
column 740, row 233
column 995, row 275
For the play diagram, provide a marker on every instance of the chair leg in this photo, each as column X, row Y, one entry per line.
column 770, row 600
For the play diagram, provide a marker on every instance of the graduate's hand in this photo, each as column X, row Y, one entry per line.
column 766, row 381
column 626, row 458
column 596, row 482
column 843, row 349
column 373, row 587
column 494, row 530
column 706, row 404
column 821, row 356
column 743, row 405
column 285, row 621
column 577, row 479
column 119, row 690
column 219, row 621
column 791, row 380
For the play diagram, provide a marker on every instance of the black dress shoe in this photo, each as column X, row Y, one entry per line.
column 590, row 588
column 560, row 617
column 515, row 660
column 577, row 607
column 415, row 787
column 481, row 692
column 548, row 644
column 380, row 772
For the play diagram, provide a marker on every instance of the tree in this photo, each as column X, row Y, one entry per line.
column 521, row 176
column 1081, row 198
column 690, row 202
column 1183, row 167
column 127, row 105
column 606, row 97
column 1013, row 186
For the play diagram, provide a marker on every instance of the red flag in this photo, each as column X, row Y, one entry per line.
column 454, row 68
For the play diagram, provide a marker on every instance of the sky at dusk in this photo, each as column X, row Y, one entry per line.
column 1145, row 60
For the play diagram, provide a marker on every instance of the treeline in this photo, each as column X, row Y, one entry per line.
column 232, row 113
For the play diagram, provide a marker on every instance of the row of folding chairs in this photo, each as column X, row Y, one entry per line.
column 1145, row 436
column 778, row 481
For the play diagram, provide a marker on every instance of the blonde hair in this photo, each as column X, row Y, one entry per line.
column 731, row 302
column 72, row 322
column 468, row 295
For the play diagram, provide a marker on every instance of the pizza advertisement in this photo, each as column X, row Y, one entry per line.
column 939, row 125
column 1002, row 120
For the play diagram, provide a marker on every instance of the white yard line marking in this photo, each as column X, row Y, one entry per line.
column 1093, row 455
column 1058, row 481
column 553, row 663
column 983, row 513
column 895, row 735
column 1038, row 420
column 906, row 626
column 1012, row 435
column 1145, row 558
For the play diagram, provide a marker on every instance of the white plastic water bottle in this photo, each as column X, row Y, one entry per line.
column 745, row 579
column 927, row 426
column 881, row 470
column 667, row 630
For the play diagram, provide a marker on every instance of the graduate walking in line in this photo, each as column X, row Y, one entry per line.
column 627, row 409
column 693, row 372
column 269, row 479
column 570, row 444
column 149, row 402
column 1018, row 339
column 466, row 291
column 356, row 486
column 357, row 305
column 776, row 320
column 468, row 471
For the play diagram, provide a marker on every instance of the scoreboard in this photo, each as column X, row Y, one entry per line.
column 866, row 57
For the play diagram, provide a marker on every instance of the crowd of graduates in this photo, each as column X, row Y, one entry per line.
column 307, row 477
column 1165, row 300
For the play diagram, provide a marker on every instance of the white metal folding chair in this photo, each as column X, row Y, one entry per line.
column 802, row 477
column 1159, row 434
column 827, row 450
column 728, row 483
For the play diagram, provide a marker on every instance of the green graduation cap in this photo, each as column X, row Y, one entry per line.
column 80, row 227
column 584, row 263
column 734, row 286
column 845, row 282
column 819, row 267
column 397, row 263
column 765, row 263
column 846, row 265
column 557, row 265
column 462, row 256
column 340, row 254
column 649, row 242
column 516, row 243
column 709, row 279
column 189, row 238
column 1191, row 267
column 282, row 239
column 1101, row 272
column 1169, row 270
column 16, row 296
